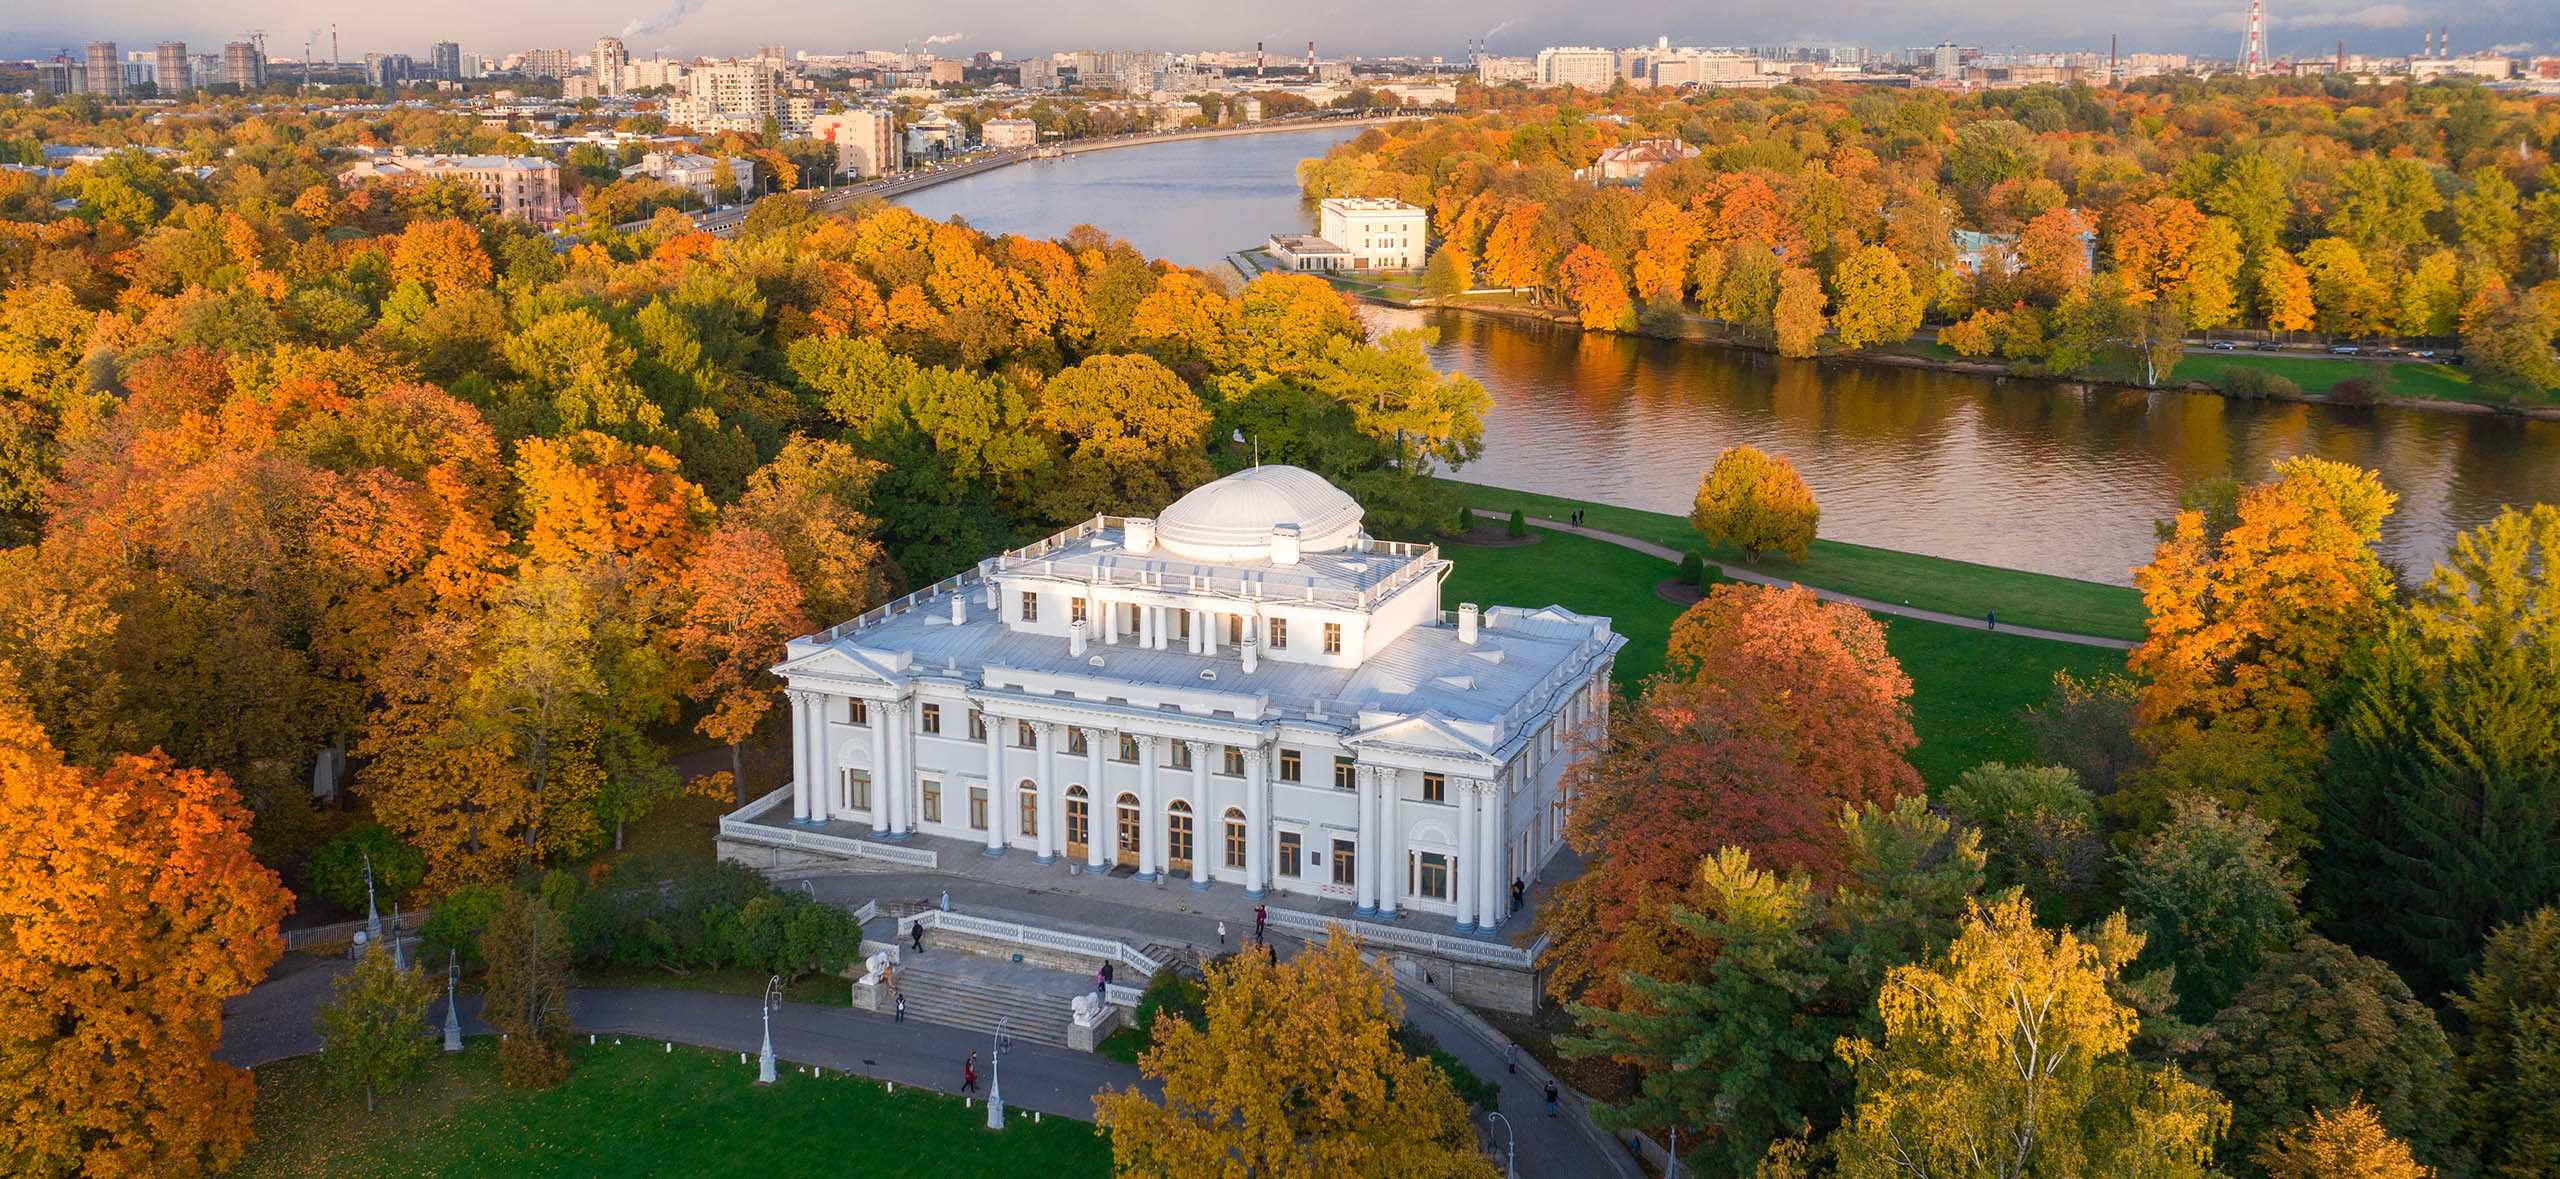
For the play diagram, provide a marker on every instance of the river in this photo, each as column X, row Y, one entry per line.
column 2044, row 476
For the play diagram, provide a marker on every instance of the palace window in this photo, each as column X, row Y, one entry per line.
column 1289, row 766
column 1344, row 868
column 1235, row 630
column 1030, row 606
column 1131, row 609
column 1128, row 747
column 1289, row 853
column 931, row 718
column 1279, row 633
column 1234, row 767
column 1030, row 809
column 977, row 808
column 1333, row 638
column 932, row 801
column 1182, row 625
column 1075, row 743
column 1346, row 774
column 1431, row 876
column 1235, row 838
column 1435, row 788
column 857, row 711
column 1023, row 737
column 857, row 790
column 1178, row 755
column 977, row 726
column 1075, row 610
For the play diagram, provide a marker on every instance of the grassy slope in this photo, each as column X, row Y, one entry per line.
column 1967, row 686
column 2434, row 382
column 638, row 1110
column 1934, row 583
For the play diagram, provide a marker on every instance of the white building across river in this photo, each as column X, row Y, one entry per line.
column 1248, row 691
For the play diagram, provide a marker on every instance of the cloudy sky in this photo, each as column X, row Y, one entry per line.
column 1337, row 26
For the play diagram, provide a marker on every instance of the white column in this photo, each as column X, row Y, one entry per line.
column 1492, row 904
column 1102, row 811
column 893, row 716
column 1110, row 620
column 1211, row 620
column 1462, row 879
column 800, row 785
column 1150, row 812
column 1391, row 837
column 1364, row 863
column 1207, row 853
column 1052, row 819
column 1257, row 822
column 879, row 767
column 999, row 785
column 813, row 735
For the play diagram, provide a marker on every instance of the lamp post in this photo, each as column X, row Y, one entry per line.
column 995, row 1078
column 452, row 1018
column 372, row 916
column 1510, row 1146
column 772, row 999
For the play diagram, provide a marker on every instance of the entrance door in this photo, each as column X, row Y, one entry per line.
column 1129, row 830
column 1177, row 841
column 1079, row 822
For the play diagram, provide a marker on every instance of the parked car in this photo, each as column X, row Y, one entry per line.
column 2422, row 353
column 2267, row 346
column 2345, row 350
column 2455, row 358
column 2224, row 346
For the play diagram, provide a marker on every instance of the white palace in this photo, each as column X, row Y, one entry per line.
column 1248, row 690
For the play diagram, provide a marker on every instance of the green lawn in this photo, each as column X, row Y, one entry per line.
column 2318, row 374
column 1931, row 583
column 637, row 1109
column 1967, row 685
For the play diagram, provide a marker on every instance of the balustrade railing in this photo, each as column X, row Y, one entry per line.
column 740, row 825
column 1445, row 945
column 1037, row 937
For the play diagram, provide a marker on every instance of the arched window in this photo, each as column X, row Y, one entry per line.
column 1030, row 809
column 1177, row 838
column 1235, row 838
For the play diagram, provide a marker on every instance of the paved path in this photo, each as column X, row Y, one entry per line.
column 1869, row 604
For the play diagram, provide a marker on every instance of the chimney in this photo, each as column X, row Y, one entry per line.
column 1138, row 536
column 959, row 608
column 1284, row 544
column 1075, row 639
column 1467, row 623
column 1252, row 642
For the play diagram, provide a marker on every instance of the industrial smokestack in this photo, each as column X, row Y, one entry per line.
column 1311, row 59
column 1257, row 59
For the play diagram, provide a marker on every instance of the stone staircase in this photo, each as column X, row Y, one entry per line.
column 965, row 992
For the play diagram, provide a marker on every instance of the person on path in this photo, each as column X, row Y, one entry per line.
column 918, row 937
column 1101, row 982
column 1510, row 1057
column 1551, row 1096
column 1222, row 934
column 1261, row 917
column 1990, row 620
column 1519, row 893
column 946, row 900
column 969, row 1079
column 902, row 1008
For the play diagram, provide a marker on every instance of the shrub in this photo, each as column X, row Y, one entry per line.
column 457, row 922
column 1472, row 1089
column 335, row 873
column 675, row 913
column 1466, row 520
column 2354, row 391
column 1519, row 524
column 1693, row 568
column 2255, row 385
column 1170, row 993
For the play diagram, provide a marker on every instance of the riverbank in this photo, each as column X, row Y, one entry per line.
column 1938, row 584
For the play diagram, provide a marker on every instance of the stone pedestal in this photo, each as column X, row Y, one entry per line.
column 1092, row 1023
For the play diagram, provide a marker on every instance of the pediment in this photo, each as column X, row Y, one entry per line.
column 845, row 664
column 1428, row 732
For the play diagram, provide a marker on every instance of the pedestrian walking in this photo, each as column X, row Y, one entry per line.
column 1990, row 620
column 1261, row 916
column 1511, row 1058
column 1519, row 893
column 917, row 938
column 1222, row 935
column 969, row 1079
column 902, row 1007
column 946, row 900
column 1101, row 983
column 1551, row 1096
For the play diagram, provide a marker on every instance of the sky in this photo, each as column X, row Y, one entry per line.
column 1442, row 27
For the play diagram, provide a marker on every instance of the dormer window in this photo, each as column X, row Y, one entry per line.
column 1279, row 634
column 1333, row 638
column 1030, row 606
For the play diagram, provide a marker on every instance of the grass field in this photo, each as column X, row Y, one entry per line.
column 1931, row 583
column 2432, row 382
column 1967, row 685
column 636, row 1109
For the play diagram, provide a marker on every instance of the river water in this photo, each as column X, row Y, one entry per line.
column 2044, row 476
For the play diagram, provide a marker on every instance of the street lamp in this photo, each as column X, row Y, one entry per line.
column 995, row 1078
column 772, row 999
column 1510, row 1146
column 372, row 916
column 452, row 1019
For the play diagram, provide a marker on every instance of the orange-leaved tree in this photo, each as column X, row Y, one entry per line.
column 130, row 908
column 1291, row 1071
column 1755, row 501
column 1796, row 319
column 743, row 607
column 1599, row 296
column 2250, row 631
column 1822, row 670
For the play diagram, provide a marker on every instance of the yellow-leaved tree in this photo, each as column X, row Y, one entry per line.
column 2350, row 1144
column 1291, row 1071
column 2006, row 1058
column 1755, row 501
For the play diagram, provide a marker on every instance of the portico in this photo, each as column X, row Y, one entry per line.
column 1248, row 692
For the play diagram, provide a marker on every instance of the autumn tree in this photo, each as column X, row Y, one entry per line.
column 2252, row 631
column 2007, row 1056
column 814, row 502
column 1590, row 282
column 1422, row 419
column 2039, row 832
column 1131, row 432
column 442, row 255
column 373, row 1029
column 527, row 990
column 1756, row 501
column 1821, row 669
column 2213, row 900
column 1290, row 1071
column 1449, row 273
column 1796, row 319
column 2510, row 1057
column 130, row 909
column 1876, row 302
column 2348, row 1144
column 744, row 607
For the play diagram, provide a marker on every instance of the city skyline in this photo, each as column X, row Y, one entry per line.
column 2211, row 28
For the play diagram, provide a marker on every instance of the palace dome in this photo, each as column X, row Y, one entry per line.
column 1232, row 519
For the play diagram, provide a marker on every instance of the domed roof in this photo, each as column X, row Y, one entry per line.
column 1232, row 519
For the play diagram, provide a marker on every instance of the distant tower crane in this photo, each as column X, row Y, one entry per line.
column 2253, row 60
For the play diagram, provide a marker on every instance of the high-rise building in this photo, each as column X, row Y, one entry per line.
column 772, row 53
column 867, row 140
column 1580, row 67
column 736, row 96
column 1946, row 61
column 446, row 59
column 169, row 68
column 105, row 74
column 389, row 69
column 549, row 63
column 243, row 65
column 608, row 61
